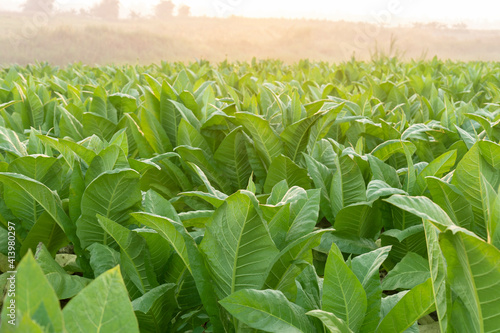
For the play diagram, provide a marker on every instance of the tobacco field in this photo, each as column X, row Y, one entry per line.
column 254, row 196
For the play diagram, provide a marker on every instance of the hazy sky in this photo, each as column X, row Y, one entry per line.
column 479, row 13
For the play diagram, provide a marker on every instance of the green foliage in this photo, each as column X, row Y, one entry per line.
column 249, row 197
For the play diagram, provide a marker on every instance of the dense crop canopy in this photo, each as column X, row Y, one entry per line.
column 248, row 197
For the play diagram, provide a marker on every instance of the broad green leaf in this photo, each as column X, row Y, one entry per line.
column 348, row 185
column 359, row 220
column 32, row 293
column 46, row 231
column 467, row 178
column 440, row 286
column 135, row 260
column 303, row 215
column 415, row 304
column 44, row 169
column 113, row 194
column 408, row 273
column 103, row 306
column 308, row 289
column 390, row 147
column 154, row 133
column 321, row 176
column 209, row 168
column 187, row 249
column 102, row 258
column 267, row 310
column 422, row 207
column 296, row 136
column 288, row 264
column 451, row 200
column 267, row 143
column 343, row 294
column 11, row 142
column 66, row 286
column 98, row 125
column 384, row 172
column 36, row 110
column 378, row 188
column 436, row 168
column 107, row 160
column 47, row 199
column 366, row 268
column 331, row 322
column 283, row 168
column 232, row 155
column 474, row 275
column 237, row 245
column 155, row 308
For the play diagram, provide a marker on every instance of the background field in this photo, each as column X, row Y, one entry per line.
column 63, row 40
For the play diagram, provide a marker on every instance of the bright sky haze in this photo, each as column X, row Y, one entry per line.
column 480, row 13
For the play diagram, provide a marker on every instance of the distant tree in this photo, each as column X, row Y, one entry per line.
column 107, row 9
column 184, row 11
column 133, row 15
column 32, row 6
column 164, row 9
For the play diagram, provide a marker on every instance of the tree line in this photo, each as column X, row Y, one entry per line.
column 110, row 9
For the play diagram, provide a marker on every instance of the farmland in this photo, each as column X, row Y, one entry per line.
column 65, row 39
column 251, row 196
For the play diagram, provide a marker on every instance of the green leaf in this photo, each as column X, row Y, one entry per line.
column 422, row 207
column 378, row 188
column 390, row 147
column 308, row 289
column 135, row 257
column 296, row 136
column 209, row 168
column 366, row 268
column 437, row 266
column 348, row 185
column 233, row 158
column 98, row 125
column 267, row 310
column 474, row 275
column 451, row 200
column 331, row 322
column 359, row 220
column 237, row 245
column 436, row 168
column 155, row 308
column 102, row 258
column 408, row 273
column 107, row 160
column 304, row 214
column 36, row 110
column 415, row 304
column 47, row 199
column 288, row 264
column 185, row 246
column 283, row 168
column 46, row 170
column 343, row 294
column 467, row 178
column 267, row 143
column 154, row 133
column 32, row 293
column 113, row 194
column 10, row 141
column 103, row 306
column 46, row 231
column 66, row 286
column 168, row 229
